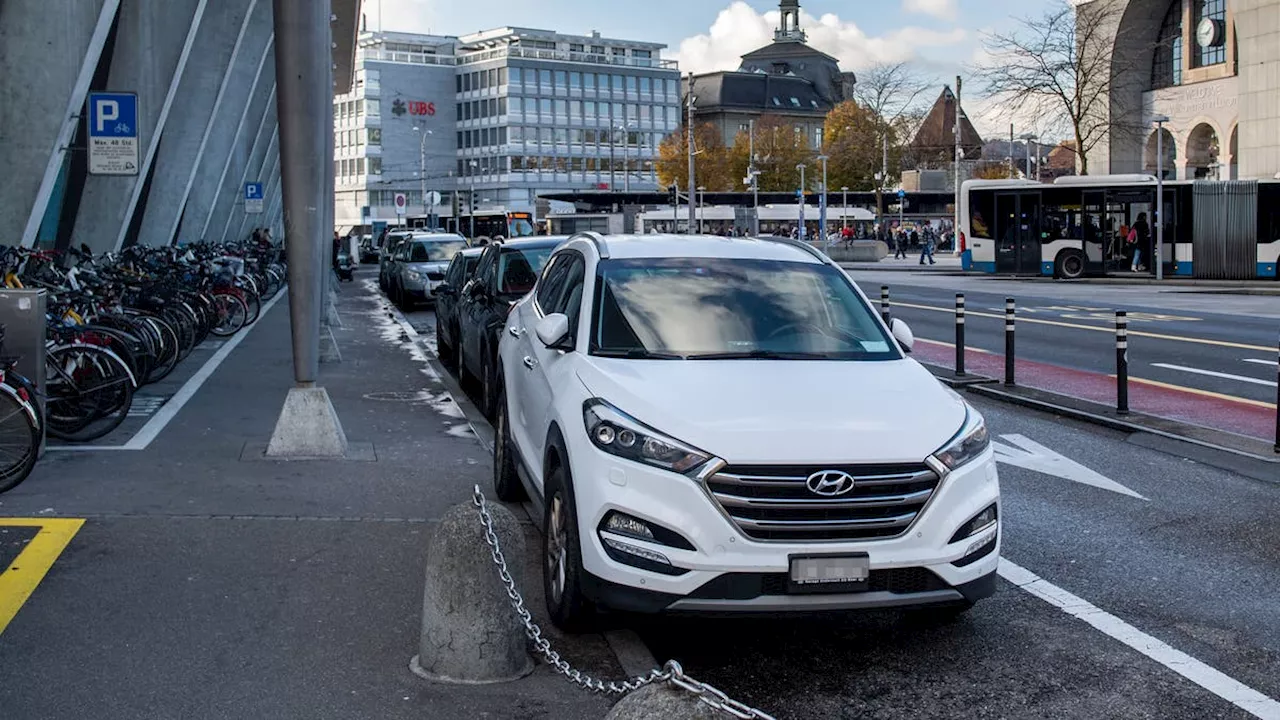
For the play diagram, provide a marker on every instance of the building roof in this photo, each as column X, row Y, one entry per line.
column 780, row 50
column 780, row 94
column 503, row 35
column 937, row 132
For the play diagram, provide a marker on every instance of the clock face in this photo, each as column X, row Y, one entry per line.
column 1207, row 33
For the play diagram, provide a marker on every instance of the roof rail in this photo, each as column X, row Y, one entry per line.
column 799, row 244
column 596, row 239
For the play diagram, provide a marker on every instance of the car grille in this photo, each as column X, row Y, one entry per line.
column 774, row 502
column 433, row 275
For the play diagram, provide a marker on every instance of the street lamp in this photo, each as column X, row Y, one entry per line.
column 1159, row 120
column 844, row 205
column 471, row 198
column 1028, row 138
column 800, row 197
column 822, row 202
column 422, row 167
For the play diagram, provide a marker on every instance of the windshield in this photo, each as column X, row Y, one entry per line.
column 437, row 251
column 519, row 269
column 519, row 227
column 721, row 309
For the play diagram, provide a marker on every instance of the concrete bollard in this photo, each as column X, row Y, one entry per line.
column 470, row 634
column 665, row 701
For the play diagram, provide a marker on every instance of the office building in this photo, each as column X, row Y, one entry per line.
column 493, row 120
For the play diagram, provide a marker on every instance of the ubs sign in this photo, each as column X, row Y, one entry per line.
column 413, row 107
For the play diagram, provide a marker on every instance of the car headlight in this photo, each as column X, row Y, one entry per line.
column 972, row 440
column 617, row 433
column 416, row 276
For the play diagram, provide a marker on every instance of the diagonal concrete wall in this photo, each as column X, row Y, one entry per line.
column 229, row 195
column 48, row 51
column 199, row 92
column 147, row 58
column 238, row 220
column 225, row 126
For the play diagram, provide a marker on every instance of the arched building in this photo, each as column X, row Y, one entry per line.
column 1210, row 66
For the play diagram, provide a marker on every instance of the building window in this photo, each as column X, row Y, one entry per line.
column 619, row 52
column 375, row 166
column 516, row 76
column 616, row 81
column 646, row 86
column 575, row 79
column 590, row 80
column 375, row 136
column 516, row 134
column 1215, row 51
column 544, row 79
column 502, row 76
column 502, row 106
column 372, row 108
column 631, row 84
column 544, row 106
column 817, row 138
column 359, row 166
column 561, row 81
column 575, row 47
column 466, row 82
column 1166, row 67
column 372, row 83
column 491, row 78
column 562, row 109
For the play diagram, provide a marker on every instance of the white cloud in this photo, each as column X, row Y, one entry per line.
column 739, row 29
column 941, row 9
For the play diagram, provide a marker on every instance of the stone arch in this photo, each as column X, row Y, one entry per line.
column 1133, row 51
column 1204, row 152
column 1169, row 166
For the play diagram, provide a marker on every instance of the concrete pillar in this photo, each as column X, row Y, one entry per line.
column 226, row 129
column 48, row 52
column 237, row 218
column 148, row 58
column 228, row 195
column 1258, row 39
column 198, row 99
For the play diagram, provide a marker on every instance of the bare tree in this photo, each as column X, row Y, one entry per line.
column 892, row 92
column 1057, row 69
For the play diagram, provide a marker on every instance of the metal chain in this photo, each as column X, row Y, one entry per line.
column 670, row 672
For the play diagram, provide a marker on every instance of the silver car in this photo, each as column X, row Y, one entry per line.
column 418, row 266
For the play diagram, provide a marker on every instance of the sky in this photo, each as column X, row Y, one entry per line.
column 940, row 37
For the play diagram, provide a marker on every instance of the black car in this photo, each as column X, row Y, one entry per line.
column 448, row 294
column 506, row 273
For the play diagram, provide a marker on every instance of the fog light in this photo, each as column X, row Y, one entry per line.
column 978, row 544
column 627, row 525
column 976, row 524
column 977, row 550
column 642, row 553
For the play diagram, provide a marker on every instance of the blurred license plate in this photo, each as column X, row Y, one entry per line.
column 830, row 570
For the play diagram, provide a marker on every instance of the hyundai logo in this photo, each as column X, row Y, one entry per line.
column 830, row 483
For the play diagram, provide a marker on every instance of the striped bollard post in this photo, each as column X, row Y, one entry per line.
column 884, row 303
column 959, row 334
column 1122, row 362
column 1010, row 308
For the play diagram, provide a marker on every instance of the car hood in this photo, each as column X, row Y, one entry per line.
column 428, row 266
column 785, row 412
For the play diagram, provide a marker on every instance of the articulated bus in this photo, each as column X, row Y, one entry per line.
column 1076, row 226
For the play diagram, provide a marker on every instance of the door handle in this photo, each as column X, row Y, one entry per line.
column 515, row 331
column 530, row 362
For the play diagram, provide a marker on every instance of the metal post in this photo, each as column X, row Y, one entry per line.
column 626, row 159
column 1159, row 213
column 959, row 334
column 304, row 101
column 471, row 211
column 822, row 210
column 755, row 177
column 1122, row 362
column 422, row 170
column 675, row 210
column 1012, row 170
column 1277, row 447
column 800, row 196
column 692, row 182
column 844, row 207
column 959, row 155
column 1010, row 309
column 612, row 175
column 884, row 303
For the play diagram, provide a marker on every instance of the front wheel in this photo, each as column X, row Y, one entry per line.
column 506, row 479
column 569, row 608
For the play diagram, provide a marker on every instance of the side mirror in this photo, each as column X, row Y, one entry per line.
column 902, row 333
column 475, row 290
column 553, row 331
column 441, row 289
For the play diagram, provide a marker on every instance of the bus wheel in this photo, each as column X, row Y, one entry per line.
column 1070, row 264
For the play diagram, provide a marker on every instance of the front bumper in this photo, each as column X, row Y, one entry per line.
column 726, row 571
column 421, row 289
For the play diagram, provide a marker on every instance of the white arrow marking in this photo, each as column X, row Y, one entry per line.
column 1032, row 455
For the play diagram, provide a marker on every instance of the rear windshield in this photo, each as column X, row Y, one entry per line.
column 518, row 269
column 729, row 309
column 438, row 251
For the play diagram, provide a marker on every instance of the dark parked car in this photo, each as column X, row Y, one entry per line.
column 448, row 294
column 506, row 273
column 393, row 242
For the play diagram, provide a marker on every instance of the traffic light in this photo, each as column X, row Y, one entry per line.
column 457, row 203
column 475, row 202
column 673, row 194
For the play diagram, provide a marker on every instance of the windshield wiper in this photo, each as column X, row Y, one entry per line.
column 638, row 354
column 764, row 355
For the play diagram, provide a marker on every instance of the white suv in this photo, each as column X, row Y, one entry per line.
column 725, row 425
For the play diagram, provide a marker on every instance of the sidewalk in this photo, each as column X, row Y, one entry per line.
column 210, row 583
column 946, row 262
column 1254, row 420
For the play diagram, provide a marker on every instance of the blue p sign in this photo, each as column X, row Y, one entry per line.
column 253, row 191
column 113, row 115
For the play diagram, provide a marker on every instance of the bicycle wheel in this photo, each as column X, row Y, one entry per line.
column 167, row 358
column 90, row 391
column 19, row 438
column 229, row 313
column 185, row 329
column 254, row 303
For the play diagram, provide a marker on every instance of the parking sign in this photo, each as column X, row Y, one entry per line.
column 113, row 134
column 253, row 200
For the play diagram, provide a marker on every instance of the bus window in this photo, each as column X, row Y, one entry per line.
column 980, row 214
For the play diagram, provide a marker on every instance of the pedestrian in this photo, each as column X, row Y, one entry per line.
column 337, row 248
column 900, row 245
column 1140, row 238
column 926, row 251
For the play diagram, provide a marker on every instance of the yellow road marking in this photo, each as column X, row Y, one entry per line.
column 1132, row 332
column 1206, row 393
column 20, row 579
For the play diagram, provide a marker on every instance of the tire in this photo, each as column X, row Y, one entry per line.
column 104, row 398
column 569, row 608
column 488, row 386
column 168, row 357
column 19, row 442
column 506, row 479
column 1070, row 265
column 229, row 314
column 254, row 305
column 444, row 352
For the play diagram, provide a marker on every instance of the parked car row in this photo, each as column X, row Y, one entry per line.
column 718, row 425
column 413, row 264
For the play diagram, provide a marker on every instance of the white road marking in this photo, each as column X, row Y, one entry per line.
column 1032, row 455
column 1216, row 682
column 1272, row 363
column 1212, row 373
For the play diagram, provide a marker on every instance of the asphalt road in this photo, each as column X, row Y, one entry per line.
column 1188, row 567
column 1227, row 346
